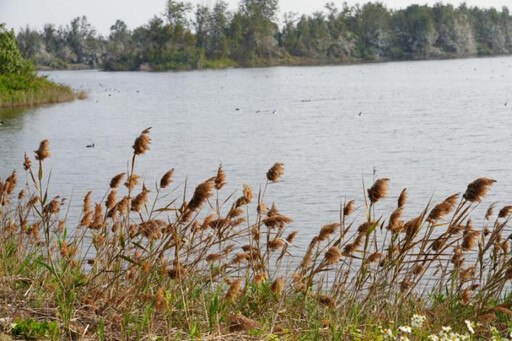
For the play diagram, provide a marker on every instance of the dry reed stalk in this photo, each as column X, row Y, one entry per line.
column 349, row 208
column 201, row 194
column 505, row 212
column 234, row 290
column 442, row 209
column 27, row 164
column 275, row 172
column 333, row 255
column 111, row 199
column 395, row 224
column 379, row 190
column 166, row 179
column 141, row 144
column 44, row 150
column 240, row 323
column 116, row 180
column 132, row 181
column 478, row 189
column 402, row 199
column 220, row 179
column 139, row 201
column 327, row 230
column 87, row 202
column 277, row 286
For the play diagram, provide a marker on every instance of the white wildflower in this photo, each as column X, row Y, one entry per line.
column 471, row 326
column 433, row 338
column 417, row 321
column 405, row 329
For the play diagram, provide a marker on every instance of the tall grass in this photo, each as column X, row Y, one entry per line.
column 29, row 90
column 151, row 262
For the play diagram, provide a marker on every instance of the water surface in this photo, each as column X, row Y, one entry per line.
column 431, row 126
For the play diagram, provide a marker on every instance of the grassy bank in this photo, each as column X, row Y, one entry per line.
column 25, row 91
column 147, row 260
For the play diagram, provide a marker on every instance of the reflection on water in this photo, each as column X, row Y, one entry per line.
column 432, row 127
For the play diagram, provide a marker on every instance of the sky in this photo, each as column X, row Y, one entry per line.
column 103, row 13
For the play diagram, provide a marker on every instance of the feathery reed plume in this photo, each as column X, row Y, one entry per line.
column 116, row 180
column 246, row 198
column 234, row 290
column 505, row 212
column 259, row 278
column 349, row 208
column 201, row 194
column 379, row 190
column 27, row 163
column 327, row 231
column 442, row 209
column 261, row 208
column 141, row 144
column 234, row 213
column 291, row 237
column 278, row 221
column 465, row 297
column 132, row 181
column 152, row 229
column 478, row 189
column 21, row 194
column 44, row 150
column 402, row 199
column 275, row 172
column 412, row 227
column 160, row 301
column 213, row 257
column 111, row 199
column 86, row 219
column 374, row 258
column 239, row 257
column 273, row 210
column 470, row 237
column 457, row 259
column 333, row 255
column 327, row 301
column 275, row 244
column 277, row 286
column 167, row 179
column 220, row 179
column 395, row 224
column 139, row 201
column 468, row 274
column 364, row 227
column 97, row 222
column 53, row 207
column 490, row 211
column 405, row 285
column 123, row 204
column 10, row 183
column 177, row 272
column 418, row 269
column 240, row 323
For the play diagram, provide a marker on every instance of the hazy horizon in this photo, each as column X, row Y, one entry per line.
column 103, row 15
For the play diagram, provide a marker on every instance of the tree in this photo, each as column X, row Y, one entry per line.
column 176, row 12
column 11, row 61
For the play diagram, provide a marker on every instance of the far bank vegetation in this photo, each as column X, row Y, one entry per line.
column 187, row 37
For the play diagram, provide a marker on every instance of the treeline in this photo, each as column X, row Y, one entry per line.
column 188, row 37
column 19, row 83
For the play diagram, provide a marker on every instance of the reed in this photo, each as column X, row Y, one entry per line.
column 141, row 263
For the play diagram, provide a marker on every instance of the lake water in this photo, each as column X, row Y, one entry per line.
column 430, row 126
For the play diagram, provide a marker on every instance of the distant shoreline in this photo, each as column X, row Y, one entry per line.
column 276, row 63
